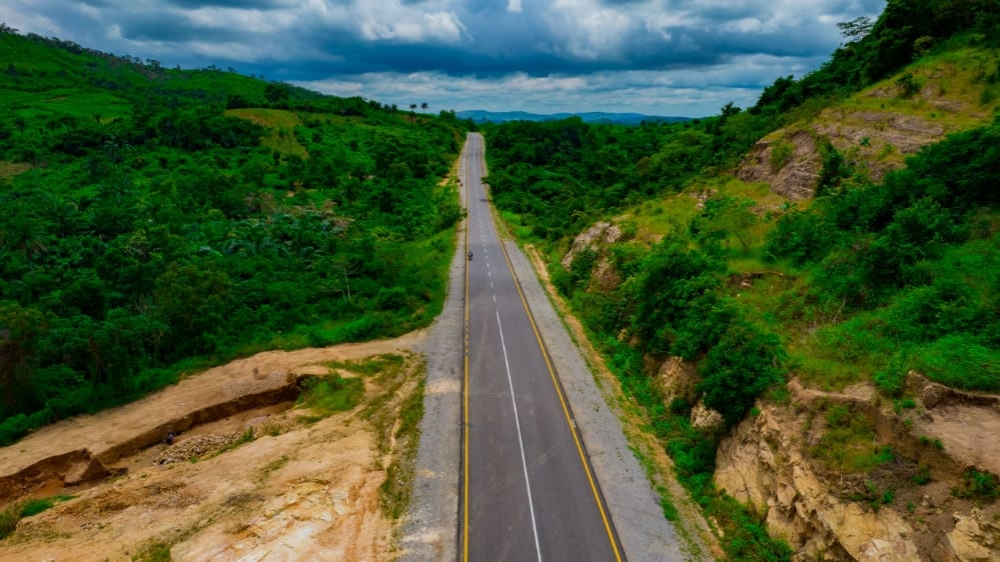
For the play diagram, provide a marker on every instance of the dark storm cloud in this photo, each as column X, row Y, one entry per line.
column 593, row 44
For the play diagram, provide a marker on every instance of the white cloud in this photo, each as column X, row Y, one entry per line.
column 652, row 56
column 688, row 92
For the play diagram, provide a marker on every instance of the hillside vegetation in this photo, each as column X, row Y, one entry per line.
column 153, row 220
column 864, row 270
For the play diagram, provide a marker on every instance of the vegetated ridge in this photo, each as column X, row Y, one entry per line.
column 803, row 294
column 482, row 116
column 156, row 220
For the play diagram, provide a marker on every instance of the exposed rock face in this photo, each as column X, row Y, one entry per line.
column 973, row 536
column 677, row 378
column 875, row 131
column 765, row 463
column 703, row 417
column 602, row 233
column 762, row 464
column 796, row 179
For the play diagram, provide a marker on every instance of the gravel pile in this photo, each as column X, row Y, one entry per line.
column 195, row 446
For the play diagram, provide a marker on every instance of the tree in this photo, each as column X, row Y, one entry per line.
column 20, row 332
column 26, row 235
column 424, row 106
column 193, row 300
column 745, row 363
column 117, row 149
column 856, row 29
column 276, row 93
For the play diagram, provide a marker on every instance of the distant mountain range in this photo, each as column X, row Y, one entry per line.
column 481, row 116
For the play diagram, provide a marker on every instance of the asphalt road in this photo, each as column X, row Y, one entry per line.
column 527, row 490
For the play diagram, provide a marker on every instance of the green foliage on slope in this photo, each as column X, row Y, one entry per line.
column 155, row 220
column 906, row 30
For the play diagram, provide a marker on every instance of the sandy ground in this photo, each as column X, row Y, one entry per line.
column 297, row 492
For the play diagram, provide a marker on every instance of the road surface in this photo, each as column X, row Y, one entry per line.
column 528, row 492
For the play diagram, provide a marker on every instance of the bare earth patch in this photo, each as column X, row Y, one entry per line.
column 11, row 169
column 296, row 490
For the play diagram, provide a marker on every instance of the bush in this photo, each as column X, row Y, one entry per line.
column 781, row 153
column 908, row 85
column 800, row 236
column 960, row 361
column 977, row 485
column 328, row 395
column 743, row 365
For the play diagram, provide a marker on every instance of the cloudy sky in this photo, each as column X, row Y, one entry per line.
column 659, row 57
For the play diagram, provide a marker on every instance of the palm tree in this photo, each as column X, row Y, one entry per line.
column 24, row 234
column 423, row 107
column 413, row 109
column 117, row 149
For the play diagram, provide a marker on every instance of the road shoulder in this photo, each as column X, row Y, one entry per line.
column 633, row 503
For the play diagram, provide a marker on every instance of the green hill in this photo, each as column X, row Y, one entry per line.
column 842, row 230
column 154, row 220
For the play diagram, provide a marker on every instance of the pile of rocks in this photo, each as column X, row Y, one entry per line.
column 195, row 447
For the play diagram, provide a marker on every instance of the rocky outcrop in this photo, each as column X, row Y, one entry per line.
column 795, row 179
column 974, row 538
column 703, row 417
column 762, row 464
column 601, row 234
column 875, row 131
column 677, row 378
column 766, row 463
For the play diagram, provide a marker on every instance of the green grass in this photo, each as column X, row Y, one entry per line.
column 16, row 511
column 281, row 129
column 395, row 491
column 155, row 551
column 328, row 395
column 848, row 444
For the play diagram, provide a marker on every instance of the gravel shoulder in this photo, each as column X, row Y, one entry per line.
column 635, row 507
column 430, row 531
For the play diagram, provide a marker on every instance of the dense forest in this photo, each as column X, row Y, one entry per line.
column 155, row 220
column 868, row 280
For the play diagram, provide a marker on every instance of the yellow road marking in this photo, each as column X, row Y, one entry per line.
column 555, row 383
column 465, row 387
column 562, row 400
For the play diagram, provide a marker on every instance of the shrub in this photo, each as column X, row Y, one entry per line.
column 960, row 361
column 908, row 85
column 977, row 485
column 800, row 236
column 328, row 395
column 743, row 365
column 781, row 153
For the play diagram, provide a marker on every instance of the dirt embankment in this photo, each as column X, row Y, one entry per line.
column 299, row 486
